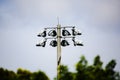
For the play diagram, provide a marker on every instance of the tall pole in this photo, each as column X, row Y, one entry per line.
column 57, row 35
column 58, row 48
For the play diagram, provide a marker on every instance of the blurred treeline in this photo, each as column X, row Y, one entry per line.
column 22, row 75
column 84, row 71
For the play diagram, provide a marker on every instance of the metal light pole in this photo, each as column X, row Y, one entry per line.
column 55, row 33
column 58, row 47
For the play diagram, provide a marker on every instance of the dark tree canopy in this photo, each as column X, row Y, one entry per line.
column 22, row 75
column 90, row 72
column 83, row 72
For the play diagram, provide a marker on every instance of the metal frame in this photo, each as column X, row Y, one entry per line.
column 59, row 37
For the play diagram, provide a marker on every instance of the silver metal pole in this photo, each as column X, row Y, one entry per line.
column 58, row 48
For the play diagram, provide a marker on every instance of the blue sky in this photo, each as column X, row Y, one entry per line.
column 21, row 21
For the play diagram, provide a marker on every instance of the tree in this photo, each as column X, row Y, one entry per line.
column 81, row 67
column 90, row 72
column 39, row 76
column 83, row 71
column 109, row 70
column 64, row 73
column 23, row 74
column 7, row 75
column 27, row 75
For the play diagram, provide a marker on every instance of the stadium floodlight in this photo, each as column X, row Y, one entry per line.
column 42, row 43
column 52, row 33
column 75, row 32
column 77, row 43
column 58, row 35
column 65, row 32
column 64, row 43
column 42, row 34
column 53, row 43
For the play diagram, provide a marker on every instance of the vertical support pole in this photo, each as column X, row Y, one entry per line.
column 58, row 48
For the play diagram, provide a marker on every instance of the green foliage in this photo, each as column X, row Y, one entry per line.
column 7, row 75
column 39, row 76
column 90, row 72
column 22, row 75
column 83, row 72
column 64, row 74
column 97, row 62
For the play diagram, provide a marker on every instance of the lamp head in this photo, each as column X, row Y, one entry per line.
column 64, row 43
column 42, row 43
column 42, row 34
column 65, row 32
column 53, row 43
column 52, row 33
column 77, row 43
column 75, row 32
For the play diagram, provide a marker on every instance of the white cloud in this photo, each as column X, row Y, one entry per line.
column 98, row 14
column 105, row 13
column 44, row 7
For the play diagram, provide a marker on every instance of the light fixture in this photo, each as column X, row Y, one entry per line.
column 75, row 32
column 65, row 32
column 58, row 35
column 64, row 43
column 42, row 43
column 53, row 43
column 42, row 34
column 77, row 43
column 52, row 33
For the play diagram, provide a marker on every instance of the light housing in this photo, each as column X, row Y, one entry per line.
column 42, row 43
column 53, row 43
column 77, row 43
column 64, row 43
column 65, row 32
column 42, row 34
column 75, row 32
column 52, row 33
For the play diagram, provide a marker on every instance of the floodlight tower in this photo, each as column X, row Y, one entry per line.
column 55, row 34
